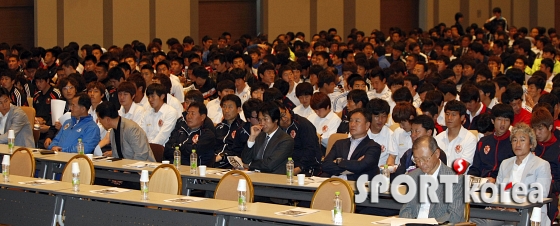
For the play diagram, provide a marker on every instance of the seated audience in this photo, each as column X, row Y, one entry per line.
column 14, row 119
column 230, row 135
column 325, row 121
column 160, row 120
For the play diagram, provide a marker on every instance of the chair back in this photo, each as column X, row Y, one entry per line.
column 157, row 149
column 333, row 138
column 166, row 179
column 22, row 163
column 87, row 173
column 324, row 195
column 227, row 187
column 30, row 102
column 30, row 112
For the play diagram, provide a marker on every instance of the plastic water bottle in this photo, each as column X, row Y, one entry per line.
column 337, row 211
column 241, row 195
column 144, row 180
column 177, row 157
column 11, row 140
column 6, row 168
column 194, row 159
column 387, row 173
column 80, row 147
column 76, row 181
column 290, row 170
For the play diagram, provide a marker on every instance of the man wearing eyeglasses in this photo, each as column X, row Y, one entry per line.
column 426, row 154
column 268, row 147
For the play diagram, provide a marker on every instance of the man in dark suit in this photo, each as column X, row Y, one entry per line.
column 268, row 147
column 350, row 158
column 426, row 154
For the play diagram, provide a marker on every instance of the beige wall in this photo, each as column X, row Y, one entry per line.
column 446, row 11
column 283, row 17
column 83, row 20
column 45, row 23
column 479, row 12
column 546, row 13
column 165, row 17
column 330, row 13
column 520, row 13
column 367, row 15
column 131, row 21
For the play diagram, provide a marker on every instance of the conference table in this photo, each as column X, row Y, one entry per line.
column 24, row 201
column 265, row 184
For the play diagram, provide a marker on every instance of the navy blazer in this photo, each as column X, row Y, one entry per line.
column 368, row 148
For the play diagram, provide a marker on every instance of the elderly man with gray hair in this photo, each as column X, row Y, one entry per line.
column 426, row 153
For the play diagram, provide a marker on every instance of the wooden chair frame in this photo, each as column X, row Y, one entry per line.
column 338, row 180
column 246, row 177
column 31, row 157
column 68, row 164
column 177, row 174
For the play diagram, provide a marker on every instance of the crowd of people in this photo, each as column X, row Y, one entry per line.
column 264, row 102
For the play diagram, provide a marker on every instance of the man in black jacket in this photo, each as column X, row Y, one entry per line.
column 307, row 153
column 268, row 147
column 349, row 158
column 230, row 135
column 189, row 134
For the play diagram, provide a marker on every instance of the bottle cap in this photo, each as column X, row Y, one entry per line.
column 11, row 134
column 242, row 185
column 176, row 147
column 536, row 215
column 165, row 162
column 79, row 139
column 289, row 158
column 337, row 193
column 144, row 176
column 6, row 160
column 36, row 126
column 193, row 151
column 386, row 166
column 75, row 167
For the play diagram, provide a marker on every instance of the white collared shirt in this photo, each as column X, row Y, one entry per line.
column 424, row 210
column 215, row 111
column 385, row 94
column 416, row 101
column 340, row 102
column 251, row 143
column 401, row 142
column 175, row 103
column 3, row 120
column 333, row 97
column 517, row 171
column 383, row 138
column 135, row 113
column 245, row 94
column 177, row 90
column 292, row 96
column 303, row 111
column 145, row 103
column 325, row 126
column 493, row 102
column 159, row 125
column 463, row 146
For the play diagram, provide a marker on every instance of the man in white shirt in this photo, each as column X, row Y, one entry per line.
column 170, row 100
column 176, row 87
column 327, row 83
column 287, row 75
column 325, row 121
column 411, row 82
column 129, row 109
column 224, row 88
column 403, row 113
column 160, row 120
column 242, row 89
column 304, row 91
column 378, row 132
column 379, row 86
column 457, row 142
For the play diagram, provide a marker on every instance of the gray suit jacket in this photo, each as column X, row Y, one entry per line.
column 134, row 143
column 17, row 120
column 451, row 212
column 276, row 153
column 537, row 170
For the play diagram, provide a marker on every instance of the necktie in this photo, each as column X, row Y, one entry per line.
column 260, row 154
column 464, row 51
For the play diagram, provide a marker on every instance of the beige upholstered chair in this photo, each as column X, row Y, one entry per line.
column 22, row 163
column 30, row 112
column 157, row 149
column 227, row 187
column 323, row 197
column 166, row 179
column 87, row 173
column 333, row 138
